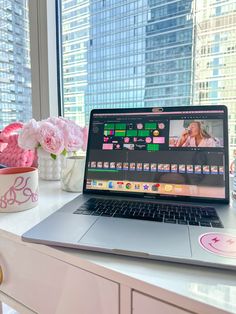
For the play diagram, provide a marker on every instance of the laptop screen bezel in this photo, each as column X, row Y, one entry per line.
column 161, row 196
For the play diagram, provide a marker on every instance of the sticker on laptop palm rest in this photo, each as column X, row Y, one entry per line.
column 219, row 243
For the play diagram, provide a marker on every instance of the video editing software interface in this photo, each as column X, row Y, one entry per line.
column 175, row 153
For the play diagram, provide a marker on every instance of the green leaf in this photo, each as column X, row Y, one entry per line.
column 53, row 156
column 64, row 152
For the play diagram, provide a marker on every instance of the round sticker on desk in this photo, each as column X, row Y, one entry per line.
column 219, row 243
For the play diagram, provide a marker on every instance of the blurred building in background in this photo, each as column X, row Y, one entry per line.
column 15, row 73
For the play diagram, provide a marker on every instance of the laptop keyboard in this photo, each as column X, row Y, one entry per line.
column 166, row 213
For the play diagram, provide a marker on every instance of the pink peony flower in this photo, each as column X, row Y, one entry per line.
column 85, row 138
column 73, row 136
column 50, row 138
column 54, row 135
column 28, row 137
column 59, row 122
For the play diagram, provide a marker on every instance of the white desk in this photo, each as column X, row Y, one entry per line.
column 44, row 279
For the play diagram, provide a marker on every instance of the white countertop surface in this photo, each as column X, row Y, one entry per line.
column 211, row 286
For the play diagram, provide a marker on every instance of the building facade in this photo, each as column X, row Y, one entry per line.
column 215, row 58
column 15, row 73
column 169, row 53
column 75, row 17
column 126, row 54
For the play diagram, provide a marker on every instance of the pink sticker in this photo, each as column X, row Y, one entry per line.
column 148, row 140
column 107, row 146
column 159, row 140
column 139, row 126
column 219, row 243
column 161, row 126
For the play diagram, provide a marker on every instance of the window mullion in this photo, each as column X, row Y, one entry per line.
column 43, row 58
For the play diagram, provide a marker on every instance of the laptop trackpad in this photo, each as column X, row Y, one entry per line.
column 139, row 236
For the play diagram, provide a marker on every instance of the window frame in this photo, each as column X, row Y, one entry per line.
column 44, row 58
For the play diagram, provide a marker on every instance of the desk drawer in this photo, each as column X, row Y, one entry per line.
column 48, row 285
column 144, row 304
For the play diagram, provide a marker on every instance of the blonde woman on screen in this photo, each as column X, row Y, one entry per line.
column 196, row 136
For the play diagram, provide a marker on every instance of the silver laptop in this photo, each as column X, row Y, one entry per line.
column 156, row 185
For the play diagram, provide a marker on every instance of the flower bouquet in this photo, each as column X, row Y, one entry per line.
column 53, row 138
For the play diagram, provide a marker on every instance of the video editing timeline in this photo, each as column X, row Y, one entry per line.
column 153, row 167
column 135, row 148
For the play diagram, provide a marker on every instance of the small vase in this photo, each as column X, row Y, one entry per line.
column 72, row 174
column 49, row 168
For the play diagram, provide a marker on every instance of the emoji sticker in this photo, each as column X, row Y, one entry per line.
column 219, row 243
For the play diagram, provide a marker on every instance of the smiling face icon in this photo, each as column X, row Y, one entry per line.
column 219, row 243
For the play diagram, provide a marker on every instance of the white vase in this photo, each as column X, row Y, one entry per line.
column 49, row 168
column 72, row 174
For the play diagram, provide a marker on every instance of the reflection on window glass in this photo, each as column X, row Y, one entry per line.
column 15, row 74
column 143, row 53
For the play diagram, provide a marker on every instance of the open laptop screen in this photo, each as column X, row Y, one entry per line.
column 161, row 152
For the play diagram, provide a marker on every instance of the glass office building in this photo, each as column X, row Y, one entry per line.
column 75, row 26
column 169, row 53
column 126, row 54
column 215, row 58
column 15, row 74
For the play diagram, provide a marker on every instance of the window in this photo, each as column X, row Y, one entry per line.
column 15, row 72
column 147, row 54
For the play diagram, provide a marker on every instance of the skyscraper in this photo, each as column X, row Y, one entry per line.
column 126, row 54
column 75, row 43
column 169, row 53
column 215, row 59
column 15, row 74
column 116, row 56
